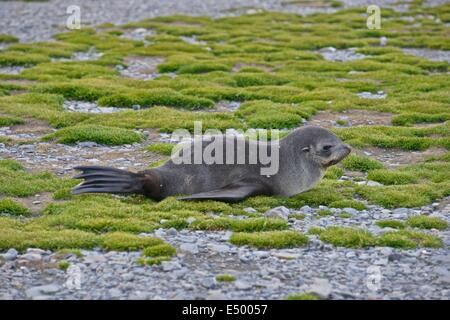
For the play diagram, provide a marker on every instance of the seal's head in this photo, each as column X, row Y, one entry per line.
column 322, row 146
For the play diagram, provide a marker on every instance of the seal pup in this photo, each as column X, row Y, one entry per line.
column 304, row 156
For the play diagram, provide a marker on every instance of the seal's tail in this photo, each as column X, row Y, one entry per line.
column 107, row 180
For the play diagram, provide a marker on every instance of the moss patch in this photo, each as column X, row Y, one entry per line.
column 426, row 222
column 225, row 278
column 12, row 207
column 302, row 296
column 270, row 239
column 99, row 134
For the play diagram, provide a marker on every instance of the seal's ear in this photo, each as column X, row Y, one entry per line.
column 305, row 149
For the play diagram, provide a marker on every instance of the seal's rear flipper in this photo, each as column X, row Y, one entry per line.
column 232, row 193
column 107, row 180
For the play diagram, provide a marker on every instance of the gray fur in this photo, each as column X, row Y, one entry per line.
column 302, row 157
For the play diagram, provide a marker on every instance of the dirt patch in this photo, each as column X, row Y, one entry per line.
column 33, row 126
column 31, row 129
column 350, row 118
column 143, row 68
column 36, row 203
column 394, row 158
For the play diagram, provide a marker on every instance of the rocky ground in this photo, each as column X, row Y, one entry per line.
column 327, row 271
column 37, row 21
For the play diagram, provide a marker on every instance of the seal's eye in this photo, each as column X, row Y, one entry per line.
column 327, row 147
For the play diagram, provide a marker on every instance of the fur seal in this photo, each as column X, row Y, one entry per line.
column 304, row 156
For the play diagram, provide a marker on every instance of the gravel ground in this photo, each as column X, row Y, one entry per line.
column 334, row 273
column 37, row 21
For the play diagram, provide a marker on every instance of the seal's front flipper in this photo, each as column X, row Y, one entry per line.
column 231, row 193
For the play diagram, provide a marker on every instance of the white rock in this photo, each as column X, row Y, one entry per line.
column 278, row 212
column 189, row 247
column 321, row 287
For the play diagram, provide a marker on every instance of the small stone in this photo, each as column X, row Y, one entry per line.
column 351, row 211
column 172, row 232
column 127, row 276
column 278, row 212
column 350, row 254
column 285, row 255
column 306, row 209
column 208, row 283
column 242, row 285
column 219, row 248
column 371, row 183
column 34, row 292
column 189, row 247
column 31, row 256
column 394, row 257
column 383, row 41
column 87, row 144
column 10, row 255
column 170, row 266
column 190, row 220
column 321, row 287
column 250, row 210
column 216, row 295
column 115, row 293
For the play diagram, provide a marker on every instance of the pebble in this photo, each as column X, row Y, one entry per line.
column 321, row 287
column 10, row 255
column 189, row 247
column 278, row 212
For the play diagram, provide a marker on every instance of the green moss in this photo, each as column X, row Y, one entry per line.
column 426, row 222
column 315, row 230
column 155, row 260
column 12, row 207
column 395, row 224
column 410, row 196
column 333, row 172
column 359, row 163
column 121, row 241
column 6, row 38
column 225, row 278
column 266, row 114
column 347, row 237
column 345, row 215
column 302, row 296
column 407, row 239
column 396, row 240
column 324, row 213
column 16, row 182
column 163, row 148
column 62, row 194
column 76, row 252
column 10, row 121
column 298, row 216
column 391, row 177
column 159, row 250
column 348, row 204
column 270, row 239
column 244, row 225
column 99, row 134
column 63, row 265
column 11, row 165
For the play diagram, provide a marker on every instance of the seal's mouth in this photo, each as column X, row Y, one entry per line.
column 339, row 154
